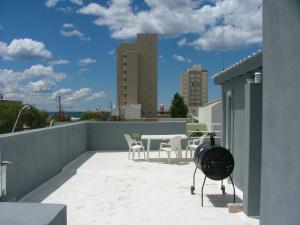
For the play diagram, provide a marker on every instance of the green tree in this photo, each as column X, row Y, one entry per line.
column 178, row 109
column 102, row 116
column 33, row 118
column 63, row 118
column 8, row 115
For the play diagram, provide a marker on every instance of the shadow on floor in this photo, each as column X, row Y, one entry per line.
column 50, row 186
column 221, row 200
column 182, row 161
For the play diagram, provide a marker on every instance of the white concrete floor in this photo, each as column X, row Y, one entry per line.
column 107, row 188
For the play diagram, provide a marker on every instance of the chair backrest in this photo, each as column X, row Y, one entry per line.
column 202, row 138
column 175, row 143
column 128, row 139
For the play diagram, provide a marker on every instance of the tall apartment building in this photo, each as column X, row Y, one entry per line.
column 193, row 87
column 137, row 74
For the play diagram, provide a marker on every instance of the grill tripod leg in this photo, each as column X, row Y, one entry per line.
column 193, row 187
column 222, row 187
column 233, row 188
column 202, row 191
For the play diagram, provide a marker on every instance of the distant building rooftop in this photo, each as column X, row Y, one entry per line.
column 213, row 102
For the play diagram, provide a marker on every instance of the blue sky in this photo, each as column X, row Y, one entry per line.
column 67, row 47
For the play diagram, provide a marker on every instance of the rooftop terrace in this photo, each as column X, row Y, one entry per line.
column 107, row 188
column 85, row 167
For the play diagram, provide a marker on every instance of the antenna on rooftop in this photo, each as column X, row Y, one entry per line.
column 223, row 45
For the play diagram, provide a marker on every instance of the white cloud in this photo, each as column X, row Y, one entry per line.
column 69, row 30
column 58, row 62
column 68, row 95
column 68, row 25
column 66, row 9
column 40, row 85
column 43, row 71
column 112, row 52
column 36, row 84
column 179, row 17
column 86, row 61
column 96, row 95
column 35, row 71
column 24, row 49
column 78, row 2
column 162, row 58
column 79, row 94
column 51, row 3
column 62, row 91
column 180, row 58
column 32, row 84
column 82, row 70
column 182, row 42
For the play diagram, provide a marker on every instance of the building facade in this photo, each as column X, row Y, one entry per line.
column 242, row 127
column 193, row 87
column 137, row 74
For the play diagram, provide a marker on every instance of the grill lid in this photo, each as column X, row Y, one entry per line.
column 216, row 162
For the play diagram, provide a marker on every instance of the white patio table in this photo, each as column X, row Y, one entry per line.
column 160, row 137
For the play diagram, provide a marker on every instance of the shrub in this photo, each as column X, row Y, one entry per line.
column 100, row 116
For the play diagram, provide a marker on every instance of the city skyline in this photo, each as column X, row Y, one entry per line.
column 68, row 47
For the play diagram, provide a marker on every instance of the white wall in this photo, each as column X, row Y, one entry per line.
column 131, row 111
column 205, row 115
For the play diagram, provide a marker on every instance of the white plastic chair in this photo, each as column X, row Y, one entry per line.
column 174, row 144
column 193, row 144
column 134, row 146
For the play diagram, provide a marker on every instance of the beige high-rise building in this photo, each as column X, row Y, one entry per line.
column 137, row 74
column 194, row 87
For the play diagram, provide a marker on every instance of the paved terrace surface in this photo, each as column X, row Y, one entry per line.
column 107, row 188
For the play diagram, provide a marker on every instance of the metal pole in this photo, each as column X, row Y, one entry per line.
column 202, row 191
column 16, row 122
column 233, row 188
column 193, row 187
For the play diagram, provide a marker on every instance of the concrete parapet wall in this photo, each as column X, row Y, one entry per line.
column 110, row 135
column 38, row 155
column 32, row 214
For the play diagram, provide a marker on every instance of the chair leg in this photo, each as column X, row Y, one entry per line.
column 129, row 153
column 133, row 151
column 139, row 153
column 144, row 153
column 169, row 157
column 158, row 154
column 186, row 152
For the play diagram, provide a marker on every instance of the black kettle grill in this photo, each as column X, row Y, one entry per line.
column 216, row 163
